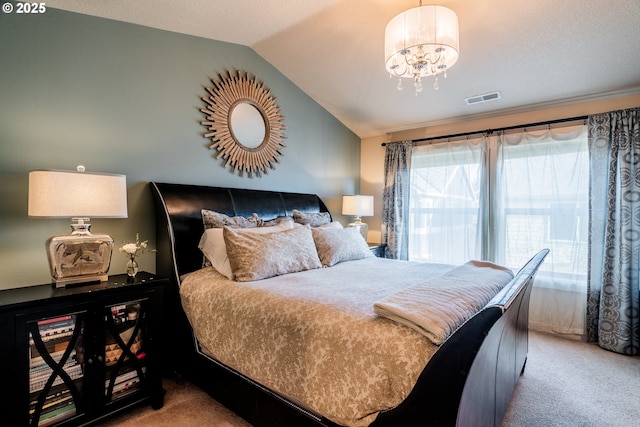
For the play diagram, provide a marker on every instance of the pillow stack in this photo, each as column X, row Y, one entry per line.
column 247, row 249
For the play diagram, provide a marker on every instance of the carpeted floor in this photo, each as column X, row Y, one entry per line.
column 570, row 383
column 185, row 405
column 566, row 384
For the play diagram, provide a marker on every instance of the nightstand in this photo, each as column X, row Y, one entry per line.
column 79, row 354
column 378, row 249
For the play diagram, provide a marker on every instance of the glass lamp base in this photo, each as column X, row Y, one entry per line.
column 362, row 227
column 79, row 258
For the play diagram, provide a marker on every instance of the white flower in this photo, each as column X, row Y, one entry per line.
column 137, row 248
column 129, row 248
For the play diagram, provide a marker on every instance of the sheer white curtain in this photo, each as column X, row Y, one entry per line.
column 541, row 201
column 448, row 201
column 503, row 198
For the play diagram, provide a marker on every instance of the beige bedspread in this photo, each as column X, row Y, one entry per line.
column 313, row 336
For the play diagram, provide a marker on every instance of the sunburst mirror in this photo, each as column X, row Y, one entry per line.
column 244, row 123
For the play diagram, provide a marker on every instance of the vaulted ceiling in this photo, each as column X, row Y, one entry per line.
column 537, row 54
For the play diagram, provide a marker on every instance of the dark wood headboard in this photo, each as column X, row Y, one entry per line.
column 179, row 219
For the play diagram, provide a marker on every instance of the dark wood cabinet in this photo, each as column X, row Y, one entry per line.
column 80, row 354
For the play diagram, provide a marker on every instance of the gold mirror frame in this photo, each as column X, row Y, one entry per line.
column 231, row 90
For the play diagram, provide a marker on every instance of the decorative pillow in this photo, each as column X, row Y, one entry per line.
column 277, row 221
column 213, row 219
column 215, row 250
column 259, row 256
column 314, row 219
column 332, row 225
column 337, row 245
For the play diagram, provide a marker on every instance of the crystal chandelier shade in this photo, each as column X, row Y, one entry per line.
column 421, row 42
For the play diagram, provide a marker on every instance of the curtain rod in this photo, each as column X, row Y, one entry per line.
column 490, row 131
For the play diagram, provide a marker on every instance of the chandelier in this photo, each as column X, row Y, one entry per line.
column 419, row 42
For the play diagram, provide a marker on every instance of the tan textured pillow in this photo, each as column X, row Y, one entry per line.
column 314, row 219
column 276, row 221
column 213, row 219
column 337, row 245
column 215, row 250
column 258, row 256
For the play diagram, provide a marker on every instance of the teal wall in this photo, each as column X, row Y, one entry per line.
column 122, row 98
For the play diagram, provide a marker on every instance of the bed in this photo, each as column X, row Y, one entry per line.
column 462, row 374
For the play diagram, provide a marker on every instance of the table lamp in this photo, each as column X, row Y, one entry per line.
column 358, row 206
column 79, row 257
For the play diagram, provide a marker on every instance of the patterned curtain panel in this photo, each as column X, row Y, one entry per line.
column 613, row 305
column 395, row 200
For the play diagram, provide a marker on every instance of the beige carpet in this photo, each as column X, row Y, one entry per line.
column 185, row 405
column 570, row 383
column 566, row 384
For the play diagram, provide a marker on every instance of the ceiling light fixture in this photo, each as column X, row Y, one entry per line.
column 419, row 42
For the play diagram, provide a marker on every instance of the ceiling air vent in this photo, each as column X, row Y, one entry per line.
column 482, row 98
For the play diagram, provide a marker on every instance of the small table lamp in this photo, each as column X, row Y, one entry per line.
column 79, row 257
column 358, row 206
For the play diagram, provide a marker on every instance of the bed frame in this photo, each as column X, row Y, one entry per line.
column 469, row 380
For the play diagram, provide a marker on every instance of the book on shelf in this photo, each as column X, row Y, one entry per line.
column 55, row 327
column 52, row 404
column 37, row 360
column 38, row 379
column 56, row 393
column 126, row 382
column 56, row 415
column 41, row 370
column 51, row 347
column 56, row 406
column 56, row 323
column 125, row 387
column 126, row 374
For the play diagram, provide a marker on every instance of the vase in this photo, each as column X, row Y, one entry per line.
column 132, row 267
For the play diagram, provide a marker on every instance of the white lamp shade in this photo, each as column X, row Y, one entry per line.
column 358, row 205
column 69, row 194
column 432, row 27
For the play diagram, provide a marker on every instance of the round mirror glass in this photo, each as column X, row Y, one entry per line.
column 247, row 125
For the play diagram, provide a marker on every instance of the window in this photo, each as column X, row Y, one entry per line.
column 542, row 200
column 503, row 198
column 445, row 220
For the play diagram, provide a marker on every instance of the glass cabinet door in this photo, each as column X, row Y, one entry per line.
column 56, row 368
column 125, row 356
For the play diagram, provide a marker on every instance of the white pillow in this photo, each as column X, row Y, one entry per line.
column 213, row 247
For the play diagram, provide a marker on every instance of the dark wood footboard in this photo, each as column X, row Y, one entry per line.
column 468, row 381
